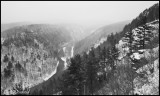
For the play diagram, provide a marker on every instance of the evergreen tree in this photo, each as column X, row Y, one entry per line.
column 18, row 66
column 144, row 34
column 75, row 80
column 66, row 85
column 92, row 69
column 9, row 65
column 103, row 63
column 108, row 54
column 130, row 38
column 6, row 59
column 114, row 53
column 12, row 58
column 99, row 53
column 79, row 75
column 41, row 92
column 84, row 71
column 112, row 41
column 7, row 72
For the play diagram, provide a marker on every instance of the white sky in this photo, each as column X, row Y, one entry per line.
column 80, row 12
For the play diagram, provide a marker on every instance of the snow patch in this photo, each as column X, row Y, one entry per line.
column 151, row 87
column 100, row 42
column 136, row 56
column 65, row 62
column 72, row 50
column 64, row 49
column 2, row 40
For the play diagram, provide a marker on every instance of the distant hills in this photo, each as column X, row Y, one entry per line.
column 11, row 25
column 30, row 51
column 89, row 41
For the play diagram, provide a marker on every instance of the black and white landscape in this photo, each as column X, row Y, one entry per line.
column 79, row 47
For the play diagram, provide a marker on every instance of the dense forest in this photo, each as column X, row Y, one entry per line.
column 126, row 63
column 101, row 71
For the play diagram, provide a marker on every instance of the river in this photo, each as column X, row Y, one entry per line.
column 50, row 75
column 64, row 59
column 60, row 68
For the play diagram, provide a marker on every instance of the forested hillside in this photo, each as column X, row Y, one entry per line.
column 129, row 65
column 29, row 55
column 88, row 42
column 117, row 59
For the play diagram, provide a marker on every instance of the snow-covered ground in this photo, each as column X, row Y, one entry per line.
column 65, row 62
column 122, row 48
column 2, row 40
column 72, row 51
column 149, row 86
column 64, row 49
column 99, row 42
column 122, row 45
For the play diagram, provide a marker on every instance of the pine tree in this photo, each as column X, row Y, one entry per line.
column 92, row 69
column 79, row 75
column 108, row 54
column 144, row 34
column 41, row 92
column 6, row 59
column 74, row 82
column 129, row 38
column 112, row 39
column 12, row 58
column 18, row 66
column 103, row 62
column 65, row 84
column 84, row 71
column 99, row 53
column 7, row 72
column 9, row 65
column 115, row 55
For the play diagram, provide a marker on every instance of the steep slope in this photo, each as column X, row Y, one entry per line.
column 35, row 49
column 30, row 55
column 146, row 81
column 147, row 15
column 134, row 72
column 85, row 44
column 144, row 17
column 121, row 74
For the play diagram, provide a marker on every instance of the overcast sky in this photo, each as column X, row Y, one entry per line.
column 79, row 12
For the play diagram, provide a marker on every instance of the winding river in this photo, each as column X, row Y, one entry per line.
column 60, row 68
column 64, row 60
